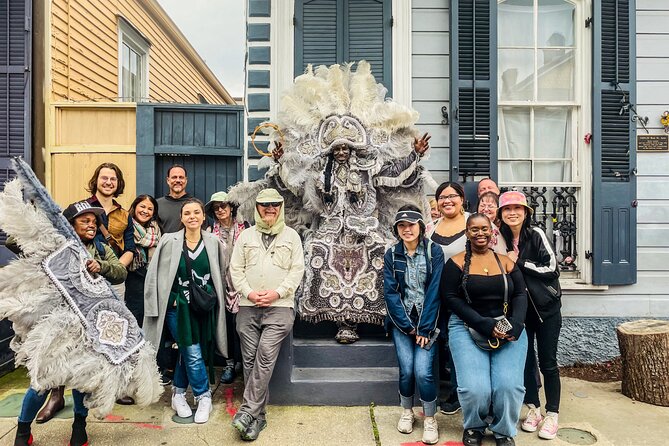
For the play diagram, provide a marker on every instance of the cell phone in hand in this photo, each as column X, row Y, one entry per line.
column 433, row 338
column 503, row 325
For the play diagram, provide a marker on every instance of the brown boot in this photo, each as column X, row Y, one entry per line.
column 53, row 406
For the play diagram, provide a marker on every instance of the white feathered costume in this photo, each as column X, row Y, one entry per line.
column 70, row 328
column 344, row 211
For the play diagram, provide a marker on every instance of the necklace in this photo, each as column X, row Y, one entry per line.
column 484, row 255
column 192, row 241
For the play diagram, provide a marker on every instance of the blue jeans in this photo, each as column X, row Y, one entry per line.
column 190, row 366
column 33, row 402
column 416, row 366
column 485, row 377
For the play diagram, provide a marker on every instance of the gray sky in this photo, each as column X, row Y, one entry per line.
column 216, row 30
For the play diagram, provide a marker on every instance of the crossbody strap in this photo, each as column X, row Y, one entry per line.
column 189, row 269
column 506, row 284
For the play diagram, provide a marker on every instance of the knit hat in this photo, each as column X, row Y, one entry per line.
column 79, row 208
column 217, row 197
column 513, row 197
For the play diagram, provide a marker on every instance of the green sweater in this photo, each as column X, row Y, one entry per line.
column 191, row 328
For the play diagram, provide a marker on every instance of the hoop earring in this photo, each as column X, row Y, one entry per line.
column 462, row 210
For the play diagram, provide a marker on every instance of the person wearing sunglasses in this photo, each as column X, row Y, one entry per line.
column 266, row 267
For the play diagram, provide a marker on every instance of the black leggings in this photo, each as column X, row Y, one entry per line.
column 547, row 334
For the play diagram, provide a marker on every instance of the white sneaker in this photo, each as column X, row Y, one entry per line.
column 533, row 419
column 203, row 410
column 430, row 431
column 180, row 404
column 405, row 424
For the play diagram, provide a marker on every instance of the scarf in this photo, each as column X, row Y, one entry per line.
column 146, row 240
column 269, row 196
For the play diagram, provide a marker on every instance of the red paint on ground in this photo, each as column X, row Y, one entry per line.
column 420, row 443
column 114, row 418
column 453, row 443
column 229, row 404
column 148, row 425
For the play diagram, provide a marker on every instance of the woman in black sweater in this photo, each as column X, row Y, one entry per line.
column 480, row 287
column 534, row 255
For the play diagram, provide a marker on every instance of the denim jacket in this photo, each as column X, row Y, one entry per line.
column 394, row 285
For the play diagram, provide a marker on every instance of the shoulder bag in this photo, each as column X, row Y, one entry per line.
column 200, row 302
column 485, row 342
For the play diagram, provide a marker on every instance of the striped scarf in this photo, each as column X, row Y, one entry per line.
column 146, row 240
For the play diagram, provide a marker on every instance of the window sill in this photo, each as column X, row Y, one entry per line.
column 573, row 284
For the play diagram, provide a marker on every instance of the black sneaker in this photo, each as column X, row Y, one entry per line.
column 471, row 437
column 254, row 429
column 450, row 406
column 505, row 441
column 241, row 421
column 228, row 375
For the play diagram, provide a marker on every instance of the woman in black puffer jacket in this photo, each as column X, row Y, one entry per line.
column 529, row 247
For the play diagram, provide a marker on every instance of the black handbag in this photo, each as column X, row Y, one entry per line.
column 200, row 301
column 486, row 342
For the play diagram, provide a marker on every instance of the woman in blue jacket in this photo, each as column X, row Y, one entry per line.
column 411, row 274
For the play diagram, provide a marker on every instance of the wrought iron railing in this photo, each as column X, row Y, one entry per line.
column 555, row 213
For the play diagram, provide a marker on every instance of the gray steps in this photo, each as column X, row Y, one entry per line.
column 326, row 352
column 320, row 371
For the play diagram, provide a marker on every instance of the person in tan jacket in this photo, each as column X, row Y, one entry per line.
column 267, row 266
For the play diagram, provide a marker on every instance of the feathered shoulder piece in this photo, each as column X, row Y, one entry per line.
column 70, row 328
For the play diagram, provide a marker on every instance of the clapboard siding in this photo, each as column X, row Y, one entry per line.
column 430, row 73
column 653, row 68
column 84, row 62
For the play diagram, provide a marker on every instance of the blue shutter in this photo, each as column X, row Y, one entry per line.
column 338, row 31
column 319, row 36
column 473, row 88
column 614, row 143
column 15, row 98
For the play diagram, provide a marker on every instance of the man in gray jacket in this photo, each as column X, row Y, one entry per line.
column 267, row 266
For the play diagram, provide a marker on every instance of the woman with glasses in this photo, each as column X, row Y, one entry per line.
column 227, row 228
column 186, row 262
column 530, row 249
column 486, row 293
column 488, row 204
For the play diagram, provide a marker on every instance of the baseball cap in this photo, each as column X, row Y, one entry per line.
column 81, row 207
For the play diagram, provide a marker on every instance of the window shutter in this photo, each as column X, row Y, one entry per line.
column 473, row 88
column 614, row 143
column 339, row 31
column 15, row 45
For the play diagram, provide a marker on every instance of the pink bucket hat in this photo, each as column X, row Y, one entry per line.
column 513, row 197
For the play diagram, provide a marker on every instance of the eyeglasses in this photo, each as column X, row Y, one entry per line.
column 220, row 207
column 448, row 197
column 110, row 179
column 488, row 206
column 481, row 230
column 276, row 204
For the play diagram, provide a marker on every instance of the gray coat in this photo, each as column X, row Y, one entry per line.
column 160, row 277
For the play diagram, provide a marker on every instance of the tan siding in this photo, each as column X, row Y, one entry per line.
column 71, row 171
column 85, row 63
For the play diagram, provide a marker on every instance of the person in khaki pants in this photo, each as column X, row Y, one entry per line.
column 267, row 266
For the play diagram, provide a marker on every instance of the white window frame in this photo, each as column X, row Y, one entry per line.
column 582, row 161
column 130, row 36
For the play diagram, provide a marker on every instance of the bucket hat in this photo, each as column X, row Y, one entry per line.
column 513, row 197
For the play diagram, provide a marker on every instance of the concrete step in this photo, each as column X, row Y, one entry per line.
column 326, row 352
column 345, row 386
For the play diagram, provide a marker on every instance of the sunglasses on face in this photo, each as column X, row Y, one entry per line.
column 276, row 204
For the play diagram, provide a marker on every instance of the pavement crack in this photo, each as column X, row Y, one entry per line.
column 375, row 427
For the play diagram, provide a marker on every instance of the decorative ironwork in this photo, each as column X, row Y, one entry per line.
column 555, row 213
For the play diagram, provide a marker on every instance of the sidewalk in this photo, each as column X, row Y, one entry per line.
column 598, row 409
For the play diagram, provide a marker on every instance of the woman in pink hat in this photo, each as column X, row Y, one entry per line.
column 530, row 249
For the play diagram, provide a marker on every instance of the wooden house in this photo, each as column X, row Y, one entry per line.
column 544, row 96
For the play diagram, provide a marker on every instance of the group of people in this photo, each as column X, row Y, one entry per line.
column 474, row 289
column 488, row 281
column 161, row 252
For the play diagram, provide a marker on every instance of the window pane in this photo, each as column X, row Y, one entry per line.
column 514, row 133
column 125, row 73
column 552, row 171
column 516, row 68
column 552, row 132
column 515, row 171
column 556, row 74
column 555, row 23
column 512, row 16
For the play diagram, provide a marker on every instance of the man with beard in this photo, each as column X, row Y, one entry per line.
column 169, row 206
column 267, row 266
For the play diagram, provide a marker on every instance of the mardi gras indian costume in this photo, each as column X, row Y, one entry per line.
column 70, row 328
column 345, row 164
